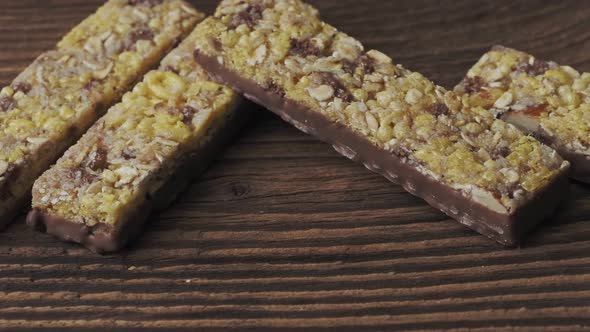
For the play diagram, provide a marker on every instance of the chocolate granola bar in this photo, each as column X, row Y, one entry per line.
column 544, row 99
column 138, row 157
column 475, row 168
column 52, row 102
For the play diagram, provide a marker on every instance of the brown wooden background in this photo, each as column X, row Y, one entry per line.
column 284, row 234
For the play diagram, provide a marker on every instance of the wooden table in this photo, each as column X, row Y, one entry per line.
column 284, row 234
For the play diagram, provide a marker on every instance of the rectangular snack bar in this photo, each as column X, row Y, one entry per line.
column 137, row 157
column 64, row 91
column 479, row 170
column 544, row 99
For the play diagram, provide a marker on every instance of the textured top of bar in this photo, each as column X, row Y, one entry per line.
column 100, row 178
column 287, row 49
column 41, row 99
column 131, row 25
column 556, row 98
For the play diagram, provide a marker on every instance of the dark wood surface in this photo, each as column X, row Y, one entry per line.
column 284, row 234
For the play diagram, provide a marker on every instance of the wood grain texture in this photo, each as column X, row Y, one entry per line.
column 283, row 234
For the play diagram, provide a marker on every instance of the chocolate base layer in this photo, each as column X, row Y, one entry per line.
column 580, row 164
column 507, row 229
column 104, row 238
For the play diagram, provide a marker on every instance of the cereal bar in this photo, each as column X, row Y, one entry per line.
column 137, row 157
column 475, row 168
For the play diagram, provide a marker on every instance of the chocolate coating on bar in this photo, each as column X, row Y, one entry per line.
column 580, row 169
column 507, row 229
column 105, row 238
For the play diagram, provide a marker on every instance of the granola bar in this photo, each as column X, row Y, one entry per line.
column 137, row 157
column 544, row 99
column 52, row 102
column 477, row 169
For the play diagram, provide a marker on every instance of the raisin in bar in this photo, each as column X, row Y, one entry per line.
column 137, row 157
column 475, row 168
column 52, row 102
column 544, row 99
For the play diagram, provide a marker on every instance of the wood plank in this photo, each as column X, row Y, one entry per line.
column 283, row 234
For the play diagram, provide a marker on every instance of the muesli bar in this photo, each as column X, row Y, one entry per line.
column 52, row 102
column 138, row 157
column 479, row 170
column 543, row 99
